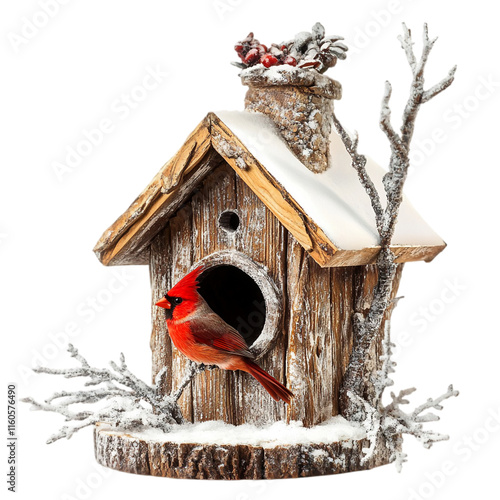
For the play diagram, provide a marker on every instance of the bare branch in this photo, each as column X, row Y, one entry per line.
column 75, row 397
column 159, row 377
column 127, row 401
column 417, row 94
column 434, row 403
column 439, row 87
column 355, row 141
column 400, row 399
column 386, row 219
column 397, row 146
column 191, row 372
column 359, row 164
column 407, row 45
column 75, row 354
column 426, row 50
column 387, row 424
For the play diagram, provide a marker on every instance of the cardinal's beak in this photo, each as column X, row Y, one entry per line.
column 163, row 303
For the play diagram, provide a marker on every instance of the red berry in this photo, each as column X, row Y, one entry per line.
column 239, row 48
column 252, row 56
column 291, row 61
column 268, row 60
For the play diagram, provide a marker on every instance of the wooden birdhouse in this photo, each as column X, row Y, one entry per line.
column 267, row 200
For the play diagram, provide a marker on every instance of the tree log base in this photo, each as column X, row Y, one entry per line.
column 120, row 451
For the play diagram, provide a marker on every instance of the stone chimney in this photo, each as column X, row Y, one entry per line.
column 300, row 102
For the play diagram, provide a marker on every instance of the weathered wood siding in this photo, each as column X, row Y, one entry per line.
column 314, row 343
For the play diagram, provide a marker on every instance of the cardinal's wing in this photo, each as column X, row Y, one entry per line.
column 213, row 331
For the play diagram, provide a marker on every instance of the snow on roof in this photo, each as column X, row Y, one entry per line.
column 335, row 199
column 328, row 213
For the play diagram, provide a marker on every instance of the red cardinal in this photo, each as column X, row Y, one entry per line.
column 204, row 337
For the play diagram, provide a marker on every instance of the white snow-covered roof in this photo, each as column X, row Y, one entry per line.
column 335, row 199
column 328, row 213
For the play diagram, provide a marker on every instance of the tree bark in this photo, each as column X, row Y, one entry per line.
column 121, row 451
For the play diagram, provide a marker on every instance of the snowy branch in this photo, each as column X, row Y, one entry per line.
column 126, row 401
column 397, row 147
column 191, row 372
column 387, row 424
column 367, row 328
column 418, row 95
column 439, row 87
column 407, row 46
column 359, row 163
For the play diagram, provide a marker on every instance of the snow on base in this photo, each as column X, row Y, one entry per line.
column 268, row 436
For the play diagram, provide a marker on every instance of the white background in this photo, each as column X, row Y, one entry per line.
column 65, row 76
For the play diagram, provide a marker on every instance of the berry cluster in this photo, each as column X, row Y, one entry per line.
column 307, row 50
column 252, row 52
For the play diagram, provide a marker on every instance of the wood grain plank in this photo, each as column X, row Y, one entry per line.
column 214, row 391
column 298, row 325
column 262, row 237
column 341, row 316
column 181, row 255
column 161, row 280
column 311, row 358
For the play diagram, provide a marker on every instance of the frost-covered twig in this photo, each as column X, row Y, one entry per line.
column 397, row 146
column 128, row 402
column 366, row 329
column 389, row 423
column 359, row 163
column 399, row 162
column 191, row 372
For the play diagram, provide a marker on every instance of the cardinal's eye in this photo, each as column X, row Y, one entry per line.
column 176, row 300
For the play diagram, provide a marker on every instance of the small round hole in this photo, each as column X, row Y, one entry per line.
column 229, row 221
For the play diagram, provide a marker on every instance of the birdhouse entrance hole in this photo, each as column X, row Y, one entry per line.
column 236, row 298
column 244, row 296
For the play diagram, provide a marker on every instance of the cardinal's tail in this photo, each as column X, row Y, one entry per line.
column 276, row 389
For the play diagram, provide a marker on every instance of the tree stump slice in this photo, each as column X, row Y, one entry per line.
column 124, row 452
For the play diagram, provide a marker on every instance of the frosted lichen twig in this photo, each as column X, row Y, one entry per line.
column 388, row 423
column 128, row 402
column 191, row 372
column 367, row 326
